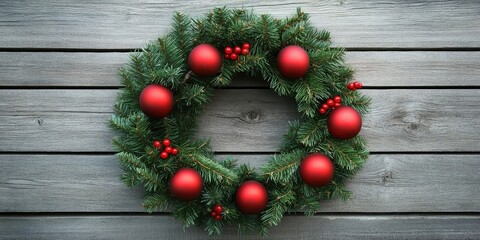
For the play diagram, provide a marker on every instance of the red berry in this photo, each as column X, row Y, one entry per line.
column 218, row 217
column 330, row 102
column 168, row 149
column 237, row 50
column 325, row 106
column 174, row 151
column 246, row 46
column 166, row 142
column 218, row 209
column 213, row 214
column 244, row 51
column 233, row 56
column 333, row 108
column 357, row 85
column 338, row 104
column 228, row 50
column 227, row 56
column 351, row 86
column 322, row 111
column 157, row 144
column 337, row 99
column 164, row 155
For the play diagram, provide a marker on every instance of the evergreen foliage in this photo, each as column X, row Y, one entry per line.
column 164, row 62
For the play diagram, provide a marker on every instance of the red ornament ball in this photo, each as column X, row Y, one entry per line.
column 156, row 101
column 251, row 197
column 205, row 60
column 168, row 149
column 293, row 62
column 166, row 142
column 316, row 170
column 344, row 123
column 186, row 184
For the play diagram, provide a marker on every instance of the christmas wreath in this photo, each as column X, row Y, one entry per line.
column 167, row 84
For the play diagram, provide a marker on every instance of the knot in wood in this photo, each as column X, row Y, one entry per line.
column 252, row 116
column 40, row 121
column 387, row 177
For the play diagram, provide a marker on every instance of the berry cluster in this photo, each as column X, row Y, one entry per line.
column 217, row 212
column 354, row 86
column 233, row 53
column 167, row 150
column 331, row 103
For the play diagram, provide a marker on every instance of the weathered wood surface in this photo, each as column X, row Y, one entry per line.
column 354, row 24
column 387, row 183
column 242, row 120
column 292, row 227
column 400, row 69
column 422, row 181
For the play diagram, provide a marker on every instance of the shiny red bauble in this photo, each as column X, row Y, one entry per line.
column 251, row 197
column 316, row 170
column 344, row 122
column 205, row 60
column 186, row 184
column 156, row 101
column 293, row 62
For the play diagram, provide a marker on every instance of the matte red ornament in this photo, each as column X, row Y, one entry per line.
column 244, row 51
column 164, row 155
column 246, row 46
column 205, row 60
column 322, row 111
column 293, row 62
column 186, row 184
column 168, row 149
column 156, row 101
column 316, row 170
column 166, row 142
column 337, row 105
column 228, row 50
column 344, row 123
column 251, row 197
column 233, row 56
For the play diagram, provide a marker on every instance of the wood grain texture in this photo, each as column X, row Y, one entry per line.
column 242, row 120
column 420, row 68
column 387, row 183
column 354, row 24
column 292, row 227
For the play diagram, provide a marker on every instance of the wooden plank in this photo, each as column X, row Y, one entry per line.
column 421, row 68
column 354, row 24
column 292, row 227
column 400, row 120
column 387, row 183
column 60, row 69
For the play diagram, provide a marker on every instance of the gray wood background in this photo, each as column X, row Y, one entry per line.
column 419, row 61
